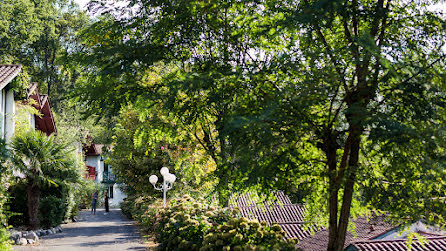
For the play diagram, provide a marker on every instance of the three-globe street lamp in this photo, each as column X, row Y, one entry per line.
column 168, row 180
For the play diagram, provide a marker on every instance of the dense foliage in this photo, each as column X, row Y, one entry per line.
column 5, row 178
column 145, row 142
column 40, row 35
column 51, row 211
column 340, row 102
column 43, row 163
column 188, row 224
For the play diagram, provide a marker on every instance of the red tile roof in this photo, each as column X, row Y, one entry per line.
column 8, row 73
column 365, row 230
column 250, row 199
column 279, row 209
column 289, row 213
column 290, row 218
column 94, row 149
column 298, row 230
column 433, row 244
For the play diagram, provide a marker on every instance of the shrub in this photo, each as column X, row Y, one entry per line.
column 5, row 242
column 84, row 193
column 241, row 233
column 183, row 224
column 51, row 211
column 18, row 205
column 70, row 204
column 126, row 207
column 188, row 224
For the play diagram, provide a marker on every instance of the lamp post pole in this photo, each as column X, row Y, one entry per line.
column 168, row 180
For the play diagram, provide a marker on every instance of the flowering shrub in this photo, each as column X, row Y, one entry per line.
column 188, row 224
column 243, row 234
column 184, row 224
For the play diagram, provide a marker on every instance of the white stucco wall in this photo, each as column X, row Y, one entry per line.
column 32, row 120
column 10, row 113
column 96, row 162
column 118, row 196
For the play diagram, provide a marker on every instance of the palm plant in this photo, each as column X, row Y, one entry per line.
column 41, row 162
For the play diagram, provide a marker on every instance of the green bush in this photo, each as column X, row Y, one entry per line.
column 5, row 242
column 188, row 224
column 126, row 207
column 85, row 193
column 241, row 233
column 141, row 209
column 18, row 205
column 70, row 204
column 51, row 211
column 183, row 224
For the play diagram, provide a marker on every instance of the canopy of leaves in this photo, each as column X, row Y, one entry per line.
column 143, row 143
column 340, row 100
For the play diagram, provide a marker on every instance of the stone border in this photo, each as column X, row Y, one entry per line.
column 31, row 237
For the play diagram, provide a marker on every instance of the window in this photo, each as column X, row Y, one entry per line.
column 110, row 192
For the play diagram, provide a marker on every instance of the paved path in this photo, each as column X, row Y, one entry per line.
column 93, row 232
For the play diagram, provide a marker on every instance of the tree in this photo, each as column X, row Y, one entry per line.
column 200, row 96
column 39, row 35
column 41, row 162
column 346, row 97
column 144, row 141
column 362, row 89
column 19, row 28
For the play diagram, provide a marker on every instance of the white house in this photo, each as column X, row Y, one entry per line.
column 7, row 104
column 102, row 173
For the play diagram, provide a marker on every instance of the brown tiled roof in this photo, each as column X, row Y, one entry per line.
column 298, row 230
column 289, row 213
column 433, row 244
column 95, row 149
column 250, row 199
column 279, row 209
column 365, row 230
column 8, row 73
column 290, row 218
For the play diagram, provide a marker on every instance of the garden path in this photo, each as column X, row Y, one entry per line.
column 97, row 232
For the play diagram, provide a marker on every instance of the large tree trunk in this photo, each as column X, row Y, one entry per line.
column 346, row 171
column 33, row 193
column 330, row 152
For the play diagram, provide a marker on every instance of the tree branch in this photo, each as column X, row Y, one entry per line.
column 329, row 52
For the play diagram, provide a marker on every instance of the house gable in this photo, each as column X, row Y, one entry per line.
column 44, row 123
column 7, row 105
column 8, row 73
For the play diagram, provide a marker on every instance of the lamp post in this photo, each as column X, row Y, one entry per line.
column 168, row 180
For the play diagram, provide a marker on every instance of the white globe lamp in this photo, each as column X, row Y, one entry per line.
column 164, row 171
column 167, row 184
column 153, row 179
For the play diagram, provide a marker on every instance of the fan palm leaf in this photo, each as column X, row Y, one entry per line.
column 41, row 162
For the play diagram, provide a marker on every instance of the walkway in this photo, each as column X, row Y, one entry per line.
column 93, row 232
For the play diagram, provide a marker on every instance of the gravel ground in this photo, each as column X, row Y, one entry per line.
column 112, row 231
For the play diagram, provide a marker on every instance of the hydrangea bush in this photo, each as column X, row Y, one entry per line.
column 189, row 224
